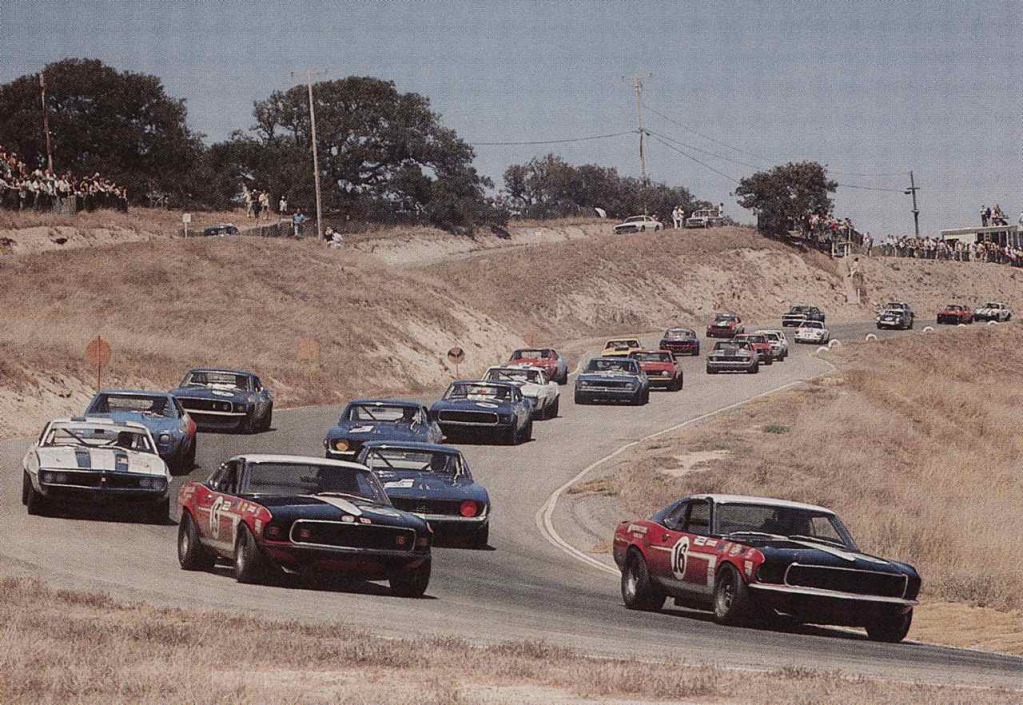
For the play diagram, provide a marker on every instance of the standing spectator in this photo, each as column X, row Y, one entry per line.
column 264, row 204
column 984, row 216
column 282, row 206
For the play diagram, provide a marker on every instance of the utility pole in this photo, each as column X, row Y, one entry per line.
column 913, row 188
column 46, row 120
column 316, row 160
column 637, row 84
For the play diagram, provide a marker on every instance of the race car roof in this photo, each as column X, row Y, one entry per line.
column 99, row 421
column 135, row 392
column 297, row 460
column 223, row 370
column 766, row 501
column 407, row 403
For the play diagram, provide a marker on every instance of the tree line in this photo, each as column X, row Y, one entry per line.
column 384, row 155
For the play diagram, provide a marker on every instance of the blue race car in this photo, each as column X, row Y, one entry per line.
column 171, row 426
column 226, row 400
column 434, row 482
column 612, row 379
column 366, row 420
column 496, row 409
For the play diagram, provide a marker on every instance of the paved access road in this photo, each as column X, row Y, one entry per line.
column 523, row 588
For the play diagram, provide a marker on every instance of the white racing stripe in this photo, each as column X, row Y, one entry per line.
column 545, row 515
column 339, row 502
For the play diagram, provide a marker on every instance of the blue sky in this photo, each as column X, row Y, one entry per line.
column 873, row 89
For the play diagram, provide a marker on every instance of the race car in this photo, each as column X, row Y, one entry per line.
column 760, row 345
column 778, row 342
column 907, row 311
column 725, row 325
column 955, row 314
column 750, row 557
column 547, row 359
column 733, row 356
column 661, row 368
column 226, row 400
column 542, row 392
column 98, row 462
column 274, row 514
column 433, row 482
column 613, row 379
column 993, row 311
column 680, row 341
column 379, row 420
column 171, row 426
column 638, row 224
column 812, row 332
column 799, row 313
column 620, row 347
column 494, row 409
column 893, row 318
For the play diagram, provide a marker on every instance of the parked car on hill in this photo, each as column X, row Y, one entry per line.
column 544, row 393
column 226, row 400
column 97, row 462
column 433, row 482
column 954, row 314
column 733, row 356
column 725, row 325
column 220, row 230
column 171, row 426
column 993, row 311
column 799, row 313
column 660, row 368
column 270, row 514
column 612, row 379
column 705, row 218
column 638, row 224
column 547, row 359
column 476, row 408
column 751, row 557
column 680, row 341
column 366, row 420
column 812, row 332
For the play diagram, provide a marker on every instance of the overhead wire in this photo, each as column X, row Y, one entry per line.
column 690, row 156
column 557, row 141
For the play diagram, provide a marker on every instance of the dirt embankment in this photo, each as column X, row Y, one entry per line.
column 929, row 285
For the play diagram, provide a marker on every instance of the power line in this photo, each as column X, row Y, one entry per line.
column 704, row 151
column 690, row 156
column 558, row 141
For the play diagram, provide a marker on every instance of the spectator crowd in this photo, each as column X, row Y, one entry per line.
column 955, row 250
column 23, row 188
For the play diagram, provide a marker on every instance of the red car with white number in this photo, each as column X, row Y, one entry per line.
column 547, row 359
column 752, row 557
column 660, row 367
column 273, row 514
column 955, row 314
column 725, row 325
column 761, row 346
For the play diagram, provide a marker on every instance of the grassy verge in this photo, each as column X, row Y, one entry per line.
column 915, row 442
column 65, row 647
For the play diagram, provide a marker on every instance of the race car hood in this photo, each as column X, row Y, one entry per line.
column 101, row 460
column 155, row 424
column 472, row 405
column 541, row 362
column 649, row 367
column 602, row 376
column 376, row 430
column 328, row 508
column 528, row 389
column 218, row 393
column 787, row 551
column 722, row 324
column 416, row 485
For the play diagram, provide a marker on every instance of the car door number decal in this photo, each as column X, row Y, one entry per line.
column 679, row 557
column 215, row 511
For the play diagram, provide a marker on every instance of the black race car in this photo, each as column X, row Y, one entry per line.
column 475, row 408
column 800, row 313
column 274, row 514
column 226, row 400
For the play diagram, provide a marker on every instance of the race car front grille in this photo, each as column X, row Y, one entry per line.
column 351, row 535
column 859, row 582
column 201, row 405
column 479, row 418
column 428, row 506
column 96, row 480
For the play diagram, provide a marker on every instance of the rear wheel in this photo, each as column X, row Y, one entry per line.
column 411, row 583
column 191, row 553
column 250, row 565
column 638, row 591
column 892, row 628
column 731, row 597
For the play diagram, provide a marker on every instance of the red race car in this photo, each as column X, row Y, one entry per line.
column 274, row 514
column 760, row 344
column 660, row 367
column 547, row 359
column 955, row 314
column 725, row 325
column 753, row 557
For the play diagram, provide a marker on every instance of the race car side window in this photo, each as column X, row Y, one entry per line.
column 698, row 518
column 225, row 479
column 674, row 519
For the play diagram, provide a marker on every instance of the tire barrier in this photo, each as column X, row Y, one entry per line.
column 928, row 329
column 823, row 349
column 961, row 325
column 870, row 336
column 992, row 323
column 834, row 344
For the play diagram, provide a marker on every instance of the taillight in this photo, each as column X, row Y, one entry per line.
column 274, row 532
column 468, row 509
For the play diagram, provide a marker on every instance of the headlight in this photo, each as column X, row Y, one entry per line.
column 159, row 483
column 585, row 383
column 633, row 386
column 145, row 483
column 341, row 444
column 165, row 438
column 505, row 418
column 60, row 478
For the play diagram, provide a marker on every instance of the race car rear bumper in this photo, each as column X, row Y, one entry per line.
column 731, row 365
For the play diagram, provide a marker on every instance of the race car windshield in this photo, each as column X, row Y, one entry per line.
column 386, row 462
column 622, row 344
column 511, row 375
column 991, row 304
column 756, row 338
column 295, row 479
column 220, row 380
column 469, row 390
column 731, row 345
column 735, row 520
column 812, row 324
column 531, row 354
column 381, row 413
column 652, row 357
column 134, row 403
column 724, row 318
column 599, row 364
column 98, row 437
column 679, row 334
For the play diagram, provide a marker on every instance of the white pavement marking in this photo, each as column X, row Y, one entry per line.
column 545, row 515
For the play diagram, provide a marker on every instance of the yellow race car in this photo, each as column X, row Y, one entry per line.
column 621, row 347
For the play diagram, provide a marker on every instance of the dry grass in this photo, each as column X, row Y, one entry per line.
column 916, row 444
column 64, row 647
column 154, row 220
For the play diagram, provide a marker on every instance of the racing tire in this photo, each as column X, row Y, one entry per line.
column 637, row 399
column 411, row 583
column 159, row 513
column 891, row 629
column 34, row 501
column 646, row 396
column 732, row 604
column 481, row 539
column 769, row 361
column 563, row 379
column 676, row 385
column 580, row 400
column 510, row 437
column 185, row 463
column 527, row 432
column 250, row 425
column 268, row 419
column 711, row 371
column 553, row 409
column 755, row 369
column 250, row 565
column 191, row 553
column 638, row 591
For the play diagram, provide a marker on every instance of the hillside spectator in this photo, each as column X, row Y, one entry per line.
column 282, row 207
column 264, row 204
column 23, row 188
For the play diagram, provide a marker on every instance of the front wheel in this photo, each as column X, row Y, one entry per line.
column 34, row 501
column 638, row 591
column 892, row 629
column 580, row 400
column 268, row 419
column 250, row 565
column 755, row 369
column 159, row 513
column 411, row 583
column 552, row 411
column 731, row 597
column 527, row 432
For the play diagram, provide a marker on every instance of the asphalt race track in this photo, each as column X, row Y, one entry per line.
column 524, row 587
